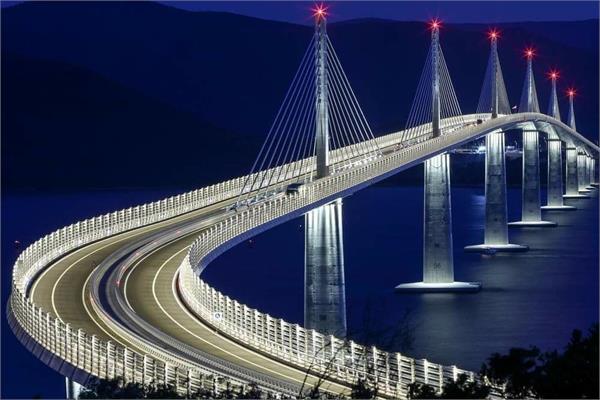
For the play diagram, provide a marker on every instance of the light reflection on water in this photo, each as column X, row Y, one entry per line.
column 533, row 298
column 528, row 298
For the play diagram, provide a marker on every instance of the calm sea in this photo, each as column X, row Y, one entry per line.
column 534, row 298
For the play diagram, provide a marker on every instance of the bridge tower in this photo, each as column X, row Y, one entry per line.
column 496, row 230
column 555, row 179
column 571, row 116
column 324, row 284
column 321, row 101
column 435, row 78
column 581, row 155
column 494, row 71
column 438, row 264
column 531, row 213
column 584, row 160
column 572, row 179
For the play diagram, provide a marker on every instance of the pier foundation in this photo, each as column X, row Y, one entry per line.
column 572, row 190
column 438, row 265
column 496, row 231
column 582, row 173
column 555, row 179
column 588, row 173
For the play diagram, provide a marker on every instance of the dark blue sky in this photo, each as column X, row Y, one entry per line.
column 449, row 11
column 460, row 11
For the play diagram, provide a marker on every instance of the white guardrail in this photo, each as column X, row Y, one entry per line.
column 339, row 359
column 106, row 359
column 288, row 342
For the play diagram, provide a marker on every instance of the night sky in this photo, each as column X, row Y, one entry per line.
column 450, row 11
column 464, row 11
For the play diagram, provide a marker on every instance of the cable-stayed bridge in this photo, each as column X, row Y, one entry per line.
column 122, row 294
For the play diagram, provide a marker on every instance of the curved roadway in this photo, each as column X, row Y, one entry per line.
column 150, row 290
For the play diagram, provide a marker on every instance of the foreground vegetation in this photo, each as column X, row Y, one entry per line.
column 520, row 373
column 530, row 373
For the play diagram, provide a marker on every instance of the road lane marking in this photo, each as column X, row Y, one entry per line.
column 90, row 314
column 120, row 237
column 205, row 327
column 54, row 287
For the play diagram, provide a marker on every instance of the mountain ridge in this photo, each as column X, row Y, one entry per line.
column 230, row 72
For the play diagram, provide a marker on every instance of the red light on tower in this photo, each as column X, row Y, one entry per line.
column 554, row 74
column 529, row 53
column 319, row 12
column 571, row 92
column 435, row 24
column 493, row 34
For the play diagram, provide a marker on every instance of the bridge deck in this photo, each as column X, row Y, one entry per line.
column 63, row 288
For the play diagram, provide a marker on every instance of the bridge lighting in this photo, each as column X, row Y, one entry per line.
column 529, row 53
column 493, row 34
column 435, row 24
column 319, row 12
column 554, row 74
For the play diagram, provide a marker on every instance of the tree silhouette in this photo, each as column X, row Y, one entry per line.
column 514, row 372
column 573, row 374
column 527, row 373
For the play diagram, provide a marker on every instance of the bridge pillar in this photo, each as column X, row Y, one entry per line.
column 496, row 231
column 588, row 173
column 572, row 191
column 582, row 173
column 72, row 389
column 555, row 180
column 438, row 265
column 594, row 181
column 324, row 289
column 531, row 213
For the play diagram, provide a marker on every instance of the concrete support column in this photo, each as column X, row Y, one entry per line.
column 588, row 173
column 582, row 173
column 531, row 214
column 496, row 231
column 72, row 389
column 572, row 191
column 324, row 289
column 593, row 173
column 438, row 265
column 555, row 180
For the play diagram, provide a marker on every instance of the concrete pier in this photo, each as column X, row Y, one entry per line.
column 531, row 213
column 496, row 231
column 324, row 289
column 572, row 190
column 588, row 173
column 582, row 173
column 555, row 178
column 593, row 173
column 72, row 389
column 438, row 265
